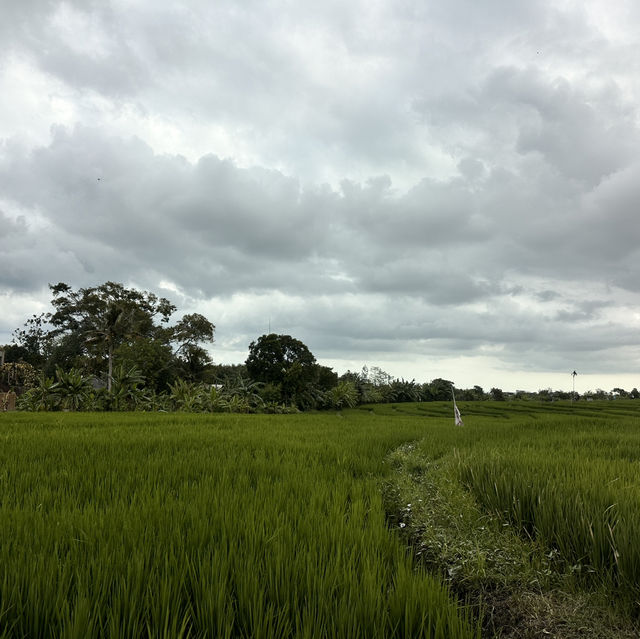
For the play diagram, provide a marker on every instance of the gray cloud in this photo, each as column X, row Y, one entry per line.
column 422, row 179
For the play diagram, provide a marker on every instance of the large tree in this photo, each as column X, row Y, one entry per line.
column 106, row 316
column 90, row 326
column 284, row 362
column 439, row 390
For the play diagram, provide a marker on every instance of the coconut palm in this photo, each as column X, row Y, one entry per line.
column 113, row 324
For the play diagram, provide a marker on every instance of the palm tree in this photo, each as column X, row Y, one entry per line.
column 115, row 324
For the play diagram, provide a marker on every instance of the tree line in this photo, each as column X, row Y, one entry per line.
column 110, row 347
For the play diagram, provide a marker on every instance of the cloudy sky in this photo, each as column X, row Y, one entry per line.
column 441, row 189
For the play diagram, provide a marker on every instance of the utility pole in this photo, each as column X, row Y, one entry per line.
column 573, row 392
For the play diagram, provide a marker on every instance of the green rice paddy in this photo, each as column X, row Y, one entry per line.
column 177, row 525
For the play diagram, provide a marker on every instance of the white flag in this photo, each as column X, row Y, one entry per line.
column 456, row 412
column 456, row 415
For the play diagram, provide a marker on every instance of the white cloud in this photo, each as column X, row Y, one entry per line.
column 424, row 184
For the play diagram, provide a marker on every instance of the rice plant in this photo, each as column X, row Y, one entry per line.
column 178, row 525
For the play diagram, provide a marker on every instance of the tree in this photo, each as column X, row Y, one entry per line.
column 478, row 392
column 405, row 391
column 90, row 326
column 31, row 342
column 378, row 377
column 440, row 389
column 153, row 356
column 327, row 378
column 497, row 394
column 285, row 362
column 343, row 395
column 101, row 318
column 188, row 334
column 545, row 394
column 226, row 374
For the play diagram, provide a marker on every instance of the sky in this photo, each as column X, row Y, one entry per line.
column 439, row 189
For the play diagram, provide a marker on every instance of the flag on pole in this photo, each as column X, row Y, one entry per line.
column 456, row 413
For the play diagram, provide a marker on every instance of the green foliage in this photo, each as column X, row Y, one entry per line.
column 32, row 342
column 18, row 376
column 186, row 396
column 105, row 316
column 153, row 357
column 344, row 395
column 133, row 525
column 285, row 363
column 372, row 385
column 42, row 397
column 72, row 388
column 404, row 391
column 440, row 390
column 95, row 328
column 225, row 373
column 497, row 394
column 372, row 395
column 327, row 378
column 270, row 393
column 126, row 390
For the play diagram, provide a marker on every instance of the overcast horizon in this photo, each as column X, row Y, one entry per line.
column 438, row 189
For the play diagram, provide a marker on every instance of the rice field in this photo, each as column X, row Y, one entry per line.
column 565, row 476
column 140, row 525
column 573, row 484
column 177, row 525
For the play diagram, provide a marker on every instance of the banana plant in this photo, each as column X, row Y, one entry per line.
column 246, row 389
column 344, row 395
column 44, row 395
column 186, row 396
column 238, row 404
column 216, row 400
column 72, row 388
column 126, row 388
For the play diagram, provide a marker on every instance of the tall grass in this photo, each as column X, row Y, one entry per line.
column 133, row 525
column 566, row 475
column 573, row 484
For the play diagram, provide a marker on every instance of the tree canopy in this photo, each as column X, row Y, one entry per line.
column 92, row 328
column 109, row 347
column 284, row 363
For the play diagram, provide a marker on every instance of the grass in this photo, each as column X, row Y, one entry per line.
column 532, row 517
column 207, row 526
column 381, row 521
